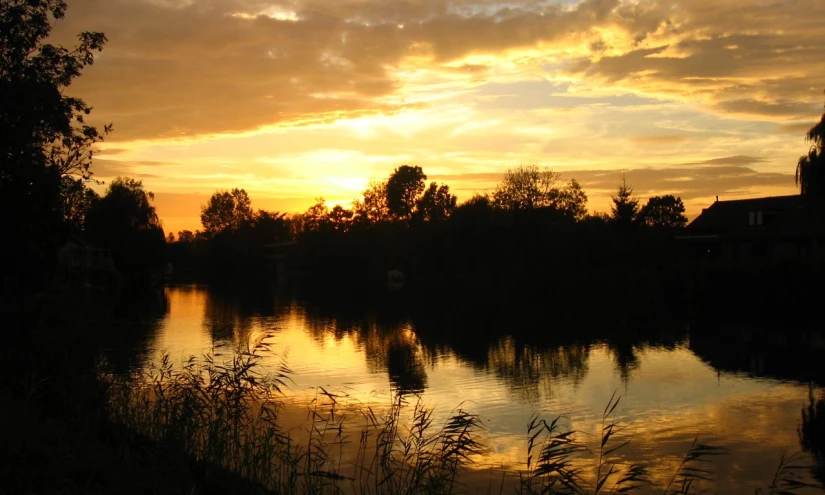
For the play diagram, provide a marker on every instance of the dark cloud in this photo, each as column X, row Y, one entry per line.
column 800, row 129
column 731, row 160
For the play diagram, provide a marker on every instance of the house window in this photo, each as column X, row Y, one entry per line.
column 755, row 218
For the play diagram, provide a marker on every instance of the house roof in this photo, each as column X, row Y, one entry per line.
column 785, row 216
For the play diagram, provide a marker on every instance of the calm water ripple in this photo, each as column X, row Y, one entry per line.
column 670, row 393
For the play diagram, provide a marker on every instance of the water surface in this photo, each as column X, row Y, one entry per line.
column 670, row 394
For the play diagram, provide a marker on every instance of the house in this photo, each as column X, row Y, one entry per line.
column 759, row 231
column 77, row 255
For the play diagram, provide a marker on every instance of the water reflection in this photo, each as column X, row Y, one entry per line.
column 530, row 372
column 812, row 433
column 676, row 384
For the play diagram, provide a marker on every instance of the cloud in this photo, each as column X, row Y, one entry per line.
column 727, row 177
column 687, row 182
column 731, row 160
column 800, row 129
column 106, row 168
column 226, row 66
column 662, row 140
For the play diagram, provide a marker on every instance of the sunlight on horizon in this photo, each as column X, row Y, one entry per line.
column 299, row 100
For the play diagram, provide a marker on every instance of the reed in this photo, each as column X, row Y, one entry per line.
column 223, row 421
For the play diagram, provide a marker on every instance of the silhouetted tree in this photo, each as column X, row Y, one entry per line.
column 571, row 201
column 625, row 207
column 226, row 211
column 373, row 207
column 435, row 204
column 186, row 236
column 403, row 197
column 267, row 227
column 339, row 218
column 314, row 218
column 43, row 135
column 404, row 186
column 76, row 200
column 320, row 218
column 810, row 169
column 526, row 187
column 663, row 211
column 125, row 221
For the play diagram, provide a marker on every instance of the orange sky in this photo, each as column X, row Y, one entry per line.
column 296, row 99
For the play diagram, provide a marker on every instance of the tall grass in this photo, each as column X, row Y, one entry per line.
column 224, row 418
column 224, row 421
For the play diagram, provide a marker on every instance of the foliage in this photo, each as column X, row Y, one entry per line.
column 43, row 134
column 77, row 200
column 321, row 218
column 526, row 187
column 124, row 220
column 226, row 211
column 373, row 208
column 625, row 208
column 571, row 201
column 404, row 186
column 436, row 204
column 810, row 169
column 39, row 125
column 663, row 211
column 225, row 415
column 403, row 197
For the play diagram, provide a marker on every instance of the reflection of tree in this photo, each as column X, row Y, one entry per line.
column 140, row 321
column 397, row 349
column 812, row 433
column 530, row 372
column 624, row 353
column 405, row 366
column 228, row 319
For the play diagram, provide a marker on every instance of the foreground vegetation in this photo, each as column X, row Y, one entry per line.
column 228, row 417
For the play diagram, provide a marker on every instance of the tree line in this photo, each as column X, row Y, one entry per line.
column 47, row 147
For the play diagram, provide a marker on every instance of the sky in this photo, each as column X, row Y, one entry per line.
column 294, row 100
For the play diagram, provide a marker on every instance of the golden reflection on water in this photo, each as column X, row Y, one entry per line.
column 668, row 395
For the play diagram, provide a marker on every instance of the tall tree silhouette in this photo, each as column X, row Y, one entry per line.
column 571, row 201
column 125, row 221
column 526, row 187
column 77, row 200
column 663, row 211
column 810, row 169
column 530, row 187
column 404, row 186
column 625, row 207
column 43, row 134
column 436, row 204
column 373, row 207
column 226, row 211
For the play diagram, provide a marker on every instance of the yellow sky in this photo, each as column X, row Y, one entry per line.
column 296, row 99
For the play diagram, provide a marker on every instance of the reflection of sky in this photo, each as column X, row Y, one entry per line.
column 670, row 397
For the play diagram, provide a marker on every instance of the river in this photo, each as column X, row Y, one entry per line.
column 672, row 389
